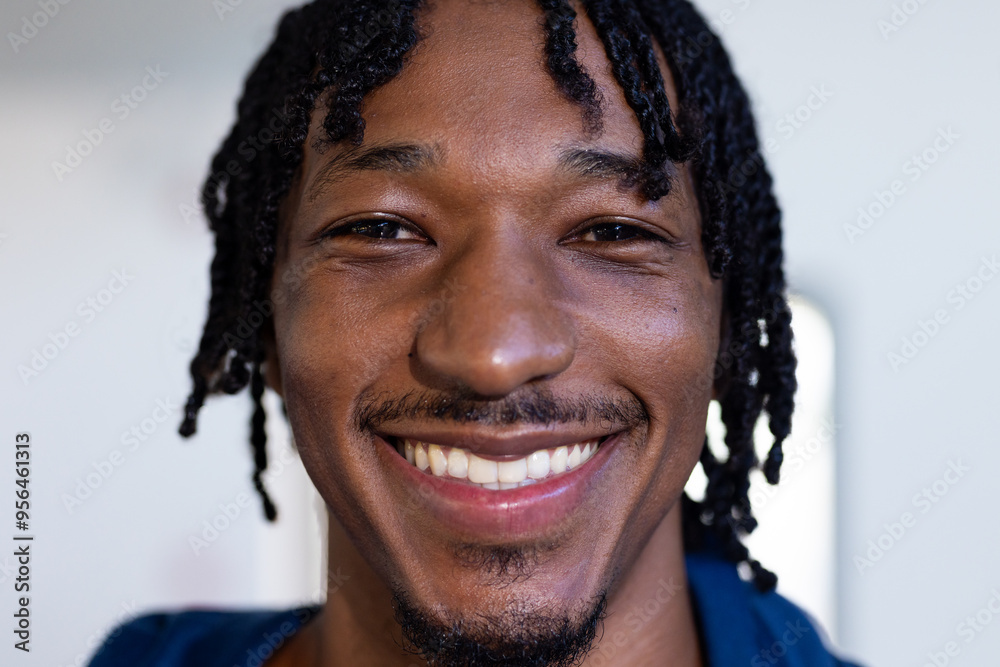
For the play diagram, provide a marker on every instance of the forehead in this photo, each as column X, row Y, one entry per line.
column 476, row 86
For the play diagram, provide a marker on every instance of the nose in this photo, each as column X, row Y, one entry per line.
column 500, row 327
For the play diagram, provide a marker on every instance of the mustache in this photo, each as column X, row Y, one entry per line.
column 532, row 405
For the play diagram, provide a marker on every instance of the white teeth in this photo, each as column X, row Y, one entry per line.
column 538, row 464
column 420, row 456
column 574, row 457
column 558, row 460
column 459, row 463
column 512, row 472
column 482, row 471
column 438, row 461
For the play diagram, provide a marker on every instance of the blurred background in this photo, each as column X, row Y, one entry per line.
column 879, row 124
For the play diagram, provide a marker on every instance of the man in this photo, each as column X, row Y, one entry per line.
column 497, row 258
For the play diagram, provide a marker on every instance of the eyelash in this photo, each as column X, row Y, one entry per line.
column 639, row 233
column 341, row 230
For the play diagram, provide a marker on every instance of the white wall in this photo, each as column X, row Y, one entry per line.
column 127, row 545
column 899, row 427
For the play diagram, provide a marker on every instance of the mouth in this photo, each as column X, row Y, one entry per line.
column 539, row 485
column 495, row 474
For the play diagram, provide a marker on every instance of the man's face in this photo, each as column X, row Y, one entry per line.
column 486, row 283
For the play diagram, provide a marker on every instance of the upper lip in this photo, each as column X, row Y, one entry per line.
column 514, row 443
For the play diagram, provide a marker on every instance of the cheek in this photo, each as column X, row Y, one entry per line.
column 333, row 342
column 338, row 337
column 661, row 340
column 330, row 347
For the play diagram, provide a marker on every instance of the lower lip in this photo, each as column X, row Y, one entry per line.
column 524, row 511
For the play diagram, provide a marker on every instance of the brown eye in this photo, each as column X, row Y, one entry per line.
column 374, row 229
column 607, row 232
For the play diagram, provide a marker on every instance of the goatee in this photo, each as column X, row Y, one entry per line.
column 517, row 638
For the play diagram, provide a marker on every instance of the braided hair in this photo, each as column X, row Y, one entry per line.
column 354, row 46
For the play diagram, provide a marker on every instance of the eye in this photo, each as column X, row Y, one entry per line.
column 609, row 232
column 373, row 228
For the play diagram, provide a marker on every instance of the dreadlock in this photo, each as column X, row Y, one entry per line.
column 335, row 52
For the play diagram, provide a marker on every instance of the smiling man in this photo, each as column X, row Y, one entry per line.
column 497, row 258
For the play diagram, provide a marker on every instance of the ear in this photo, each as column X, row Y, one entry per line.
column 272, row 366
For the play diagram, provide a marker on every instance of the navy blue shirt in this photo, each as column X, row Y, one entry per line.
column 737, row 624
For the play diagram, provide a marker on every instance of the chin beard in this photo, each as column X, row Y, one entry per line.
column 516, row 638
column 500, row 566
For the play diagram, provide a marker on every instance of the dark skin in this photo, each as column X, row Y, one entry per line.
column 486, row 262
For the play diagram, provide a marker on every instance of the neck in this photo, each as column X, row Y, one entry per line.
column 649, row 621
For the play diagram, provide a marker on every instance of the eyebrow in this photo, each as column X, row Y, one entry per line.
column 394, row 157
column 587, row 163
column 601, row 164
